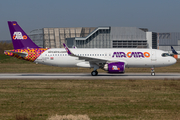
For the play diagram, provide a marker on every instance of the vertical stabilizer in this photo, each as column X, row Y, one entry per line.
column 173, row 50
column 19, row 38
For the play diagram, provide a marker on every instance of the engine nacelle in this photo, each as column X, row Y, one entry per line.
column 116, row 67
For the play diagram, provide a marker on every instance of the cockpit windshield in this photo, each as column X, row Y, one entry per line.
column 165, row 54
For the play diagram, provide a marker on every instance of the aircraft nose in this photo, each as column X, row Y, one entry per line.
column 173, row 61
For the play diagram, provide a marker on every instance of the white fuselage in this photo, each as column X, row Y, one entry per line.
column 59, row 57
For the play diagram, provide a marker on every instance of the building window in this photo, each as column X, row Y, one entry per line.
column 129, row 44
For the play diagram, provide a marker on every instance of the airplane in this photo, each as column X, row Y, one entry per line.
column 174, row 51
column 112, row 60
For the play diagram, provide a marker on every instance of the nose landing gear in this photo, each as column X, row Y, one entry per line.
column 152, row 71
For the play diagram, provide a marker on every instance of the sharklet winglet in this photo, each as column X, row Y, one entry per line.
column 67, row 50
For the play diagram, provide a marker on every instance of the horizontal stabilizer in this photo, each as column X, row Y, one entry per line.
column 22, row 54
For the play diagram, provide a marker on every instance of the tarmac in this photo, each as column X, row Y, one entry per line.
column 83, row 76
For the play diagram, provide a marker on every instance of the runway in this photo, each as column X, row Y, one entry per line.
column 81, row 76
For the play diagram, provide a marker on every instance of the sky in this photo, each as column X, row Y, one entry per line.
column 156, row 15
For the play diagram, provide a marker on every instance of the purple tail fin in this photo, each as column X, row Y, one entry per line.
column 19, row 38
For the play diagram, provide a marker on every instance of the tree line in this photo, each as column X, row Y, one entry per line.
column 5, row 46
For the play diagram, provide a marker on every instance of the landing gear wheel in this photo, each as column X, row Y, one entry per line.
column 153, row 73
column 94, row 73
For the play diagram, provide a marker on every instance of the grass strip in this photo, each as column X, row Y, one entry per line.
column 99, row 99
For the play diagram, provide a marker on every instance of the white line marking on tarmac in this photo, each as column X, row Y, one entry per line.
column 88, row 76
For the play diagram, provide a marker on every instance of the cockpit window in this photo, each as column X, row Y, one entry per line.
column 165, row 55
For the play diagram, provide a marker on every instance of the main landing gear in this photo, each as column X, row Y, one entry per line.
column 152, row 71
column 94, row 73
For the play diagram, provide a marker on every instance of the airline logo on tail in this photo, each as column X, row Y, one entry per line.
column 18, row 35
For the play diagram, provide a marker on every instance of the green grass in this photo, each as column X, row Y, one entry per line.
column 13, row 65
column 99, row 99
column 4, row 59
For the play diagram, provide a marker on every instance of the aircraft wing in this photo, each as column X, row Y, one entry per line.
column 90, row 59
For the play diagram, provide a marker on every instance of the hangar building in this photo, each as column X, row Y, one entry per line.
column 165, row 40
column 95, row 37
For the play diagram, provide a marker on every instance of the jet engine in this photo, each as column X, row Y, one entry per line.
column 115, row 67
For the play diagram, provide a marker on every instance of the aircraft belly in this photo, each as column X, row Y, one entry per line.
column 138, row 62
column 59, row 61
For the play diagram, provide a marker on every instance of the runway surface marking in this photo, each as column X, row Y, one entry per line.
column 88, row 76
